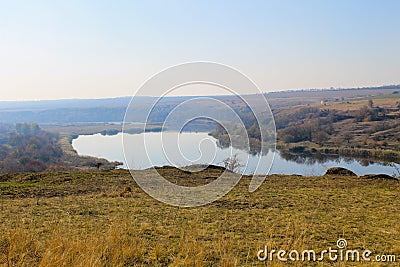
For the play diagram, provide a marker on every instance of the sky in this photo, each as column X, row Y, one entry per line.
column 95, row 49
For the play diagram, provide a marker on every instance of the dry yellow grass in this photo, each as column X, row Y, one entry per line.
column 386, row 101
column 84, row 221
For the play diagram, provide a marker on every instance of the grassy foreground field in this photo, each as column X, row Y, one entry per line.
column 104, row 219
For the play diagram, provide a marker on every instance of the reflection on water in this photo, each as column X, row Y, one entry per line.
column 200, row 148
column 318, row 158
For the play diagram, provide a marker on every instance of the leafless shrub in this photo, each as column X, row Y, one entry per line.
column 232, row 163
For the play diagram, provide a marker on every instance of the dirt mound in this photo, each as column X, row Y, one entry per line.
column 379, row 176
column 192, row 168
column 205, row 167
column 340, row 171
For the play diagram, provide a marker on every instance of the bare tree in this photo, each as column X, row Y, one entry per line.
column 396, row 173
column 232, row 163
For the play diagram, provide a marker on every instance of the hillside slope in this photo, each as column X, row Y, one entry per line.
column 104, row 219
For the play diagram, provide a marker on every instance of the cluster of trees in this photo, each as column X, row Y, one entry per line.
column 29, row 149
column 316, row 131
column 27, row 129
column 307, row 124
column 325, row 127
column 5, row 130
column 251, row 125
column 287, row 118
column 370, row 113
column 317, row 125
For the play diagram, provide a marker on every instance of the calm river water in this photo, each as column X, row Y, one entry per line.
column 182, row 149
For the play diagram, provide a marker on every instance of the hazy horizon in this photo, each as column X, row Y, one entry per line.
column 176, row 95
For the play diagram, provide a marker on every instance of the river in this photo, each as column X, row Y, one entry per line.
column 182, row 149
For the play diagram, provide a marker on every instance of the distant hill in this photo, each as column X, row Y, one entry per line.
column 113, row 109
column 13, row 106
column 335, row 92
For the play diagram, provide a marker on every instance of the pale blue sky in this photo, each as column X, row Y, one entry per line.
column 86, row 49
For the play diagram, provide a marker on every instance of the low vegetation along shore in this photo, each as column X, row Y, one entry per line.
column 103, row 219
column 27, row 148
